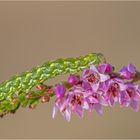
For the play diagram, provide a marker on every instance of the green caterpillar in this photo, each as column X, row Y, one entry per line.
column 22, row 84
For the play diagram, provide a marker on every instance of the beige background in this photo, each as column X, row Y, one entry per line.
column 34, row 32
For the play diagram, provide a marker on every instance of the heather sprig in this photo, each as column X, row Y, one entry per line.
column 98, row 86
column 17, row 87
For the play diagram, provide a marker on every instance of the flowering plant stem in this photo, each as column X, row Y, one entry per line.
column 97, row 86
column 18, row 90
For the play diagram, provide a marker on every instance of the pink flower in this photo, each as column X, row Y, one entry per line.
column 111, row 90
column 76, row 101
column 94, row 77
column 128, row 72
column 130, row 96
column 62, row 106
column 60, row 102
column 73, row 102
column 94, row 103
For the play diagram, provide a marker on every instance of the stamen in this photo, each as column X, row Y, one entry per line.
column 93, row 78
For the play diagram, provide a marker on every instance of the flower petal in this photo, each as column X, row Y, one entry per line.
column 60, row 90
column 85, row 105
column 86, row 72
column 86, row 85
column 92, row 100
column 104, row 77
column 54, row 112
column 135, row 105
column 95, row 87
column 137, row 96
column 103, row 101
column 105, row 68
column 79, row 111
column 67, row 115
column 131, row 68
column 111, row 101
column 98, row 108
column 93, row 67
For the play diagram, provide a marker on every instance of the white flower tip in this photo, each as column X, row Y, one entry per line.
column 93, row 67
column 54, row 112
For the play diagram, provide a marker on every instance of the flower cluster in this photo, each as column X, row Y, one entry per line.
column 97, row 87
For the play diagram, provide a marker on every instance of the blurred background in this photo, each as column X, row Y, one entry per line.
column 32, row 33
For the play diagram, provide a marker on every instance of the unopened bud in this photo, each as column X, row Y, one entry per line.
column 14, row 100
column 32, row 106
column 60, row 90
column 41, row 86
column 73, row 79
column 29, row 95
column 49, row 90
column 45, row 99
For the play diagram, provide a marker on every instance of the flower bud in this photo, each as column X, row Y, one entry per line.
column 32, row 106
column 73, row 79
column 14, row 100
column 29, row 95
column 45, row 98
column 41, row 86
column 49, row 90
column 59, row 90
column 105, row 68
